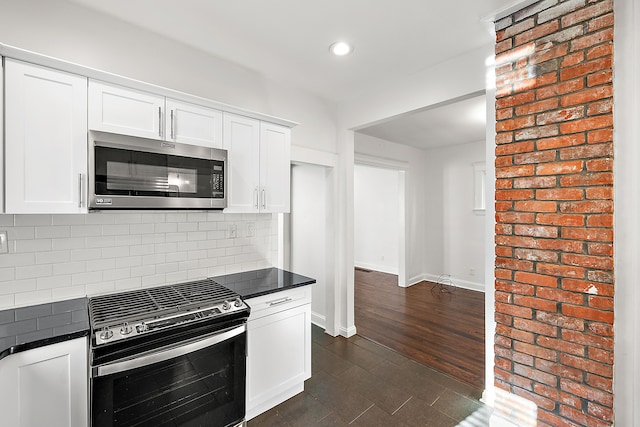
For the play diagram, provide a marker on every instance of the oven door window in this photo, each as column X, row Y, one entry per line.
column 135, row 173
column 202, row 388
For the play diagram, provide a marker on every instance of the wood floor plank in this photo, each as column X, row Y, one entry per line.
column 443, row 330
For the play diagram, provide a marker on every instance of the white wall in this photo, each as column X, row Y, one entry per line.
column 67, row 31
column 376, row 218
column 55, row 257
column 455, row 233
column 309, row 254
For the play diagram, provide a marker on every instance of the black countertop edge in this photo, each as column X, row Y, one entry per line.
column 255, row 283
column 43, row 342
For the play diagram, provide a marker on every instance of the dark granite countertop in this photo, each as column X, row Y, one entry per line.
column 44, row 324
column 262, row 282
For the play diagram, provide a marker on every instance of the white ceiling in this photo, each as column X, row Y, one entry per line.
column 288, row 40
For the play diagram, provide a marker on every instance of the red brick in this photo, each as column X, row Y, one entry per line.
column 588, row 313
column 604, row 220
column 586, row 179
column 516, row 288
column 536, row 279
column 600, row 78
column 536, row 231
column 587, row 206
column 515, row 241
column 587, row 365
column 586, row 68
column 587, row 124
column 560, row 168
column 503, row 114
column 515, row 217
column 537, row 32
column 504, row 229
column 535, row 182
column 588, row 261
column 536, row 132
column 543, row 54
column 536, row 255
column 537, row 107
column 534, row 327
column 504, row 162
column 503, row 206
column 514, row 194
column 565, row 220
column 560, row 270
column 559, row 370
column 549, row 392
column 504, row 46
column 587, row 95
column 504, row 137
column 599, row 193
column 540, row 401
column 593, row 39
column 515, row 148
column 535, row 374
column 535, row 206
column 599, row 411
column 560, row 245
column 601, row 107
column 605, row 249
column 586, row 13
column 564, row 115
column 535, row 351
column 587, row 392
column 560, row 345
column 512, row 264
column 561, row 141
column 515, row 171
column 503, row 364
column 581, row 418
column 502, row 318
column 515, row 334
column 600, row 51
column 602, row 303
column 549, row 419
column 504, row 251
column 560, row 295
column 513, row 310
column 604, row 384
column 588, row 234
column 537, row 303
column 572, row 59
column 560, row 194
column 523, row 359
column 503, row 342
column 560, row 88
column 601, row 22
column 534, row 158
column 502, row 91
column 601, row 337
column 539, row 80
column 587, row 287
column 518, row 74
column 516, row 123
column 601, row 165
column 515, row 100
column 587, row 151
column 501, row 273
column 600, row 276
column 600, row 135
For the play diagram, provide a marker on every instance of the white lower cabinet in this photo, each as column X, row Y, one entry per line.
column 279, row 348
column 45, row 386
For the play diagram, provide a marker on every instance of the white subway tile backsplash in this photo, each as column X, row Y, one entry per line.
column 55, row 257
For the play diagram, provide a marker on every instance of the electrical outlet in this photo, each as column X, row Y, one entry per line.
column 232, row 231
column 251, row 229
column 4, row 242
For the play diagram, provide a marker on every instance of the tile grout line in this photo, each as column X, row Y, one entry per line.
column 400, row 407
column 361, row 414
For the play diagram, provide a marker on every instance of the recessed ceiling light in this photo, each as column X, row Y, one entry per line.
column 340, row 48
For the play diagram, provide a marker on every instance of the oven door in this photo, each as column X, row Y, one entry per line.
column 131, row 172
column 194, row 383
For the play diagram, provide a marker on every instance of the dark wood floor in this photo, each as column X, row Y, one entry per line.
column 442, row 330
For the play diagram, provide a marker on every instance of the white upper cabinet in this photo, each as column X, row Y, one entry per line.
column 275, row 168
column 45, row 140
column 258, row 166
column 242, row 141
column 192, row 124
column 126, row 111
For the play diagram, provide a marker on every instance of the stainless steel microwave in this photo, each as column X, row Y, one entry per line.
column 128, row 172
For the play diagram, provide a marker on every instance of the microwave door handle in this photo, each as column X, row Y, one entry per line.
column 160, row 122
column 166, row 354
column 255, row 197
column 80, row 190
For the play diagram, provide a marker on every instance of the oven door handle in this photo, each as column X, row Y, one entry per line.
column 160, row 356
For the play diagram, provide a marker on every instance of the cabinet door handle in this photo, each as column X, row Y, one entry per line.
column 80, row 190
column 280, row 301
column 172, row 134
column 264, row 199
column 255, row 197
column 160, row 121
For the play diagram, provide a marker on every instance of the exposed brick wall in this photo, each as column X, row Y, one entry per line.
column 554, row 210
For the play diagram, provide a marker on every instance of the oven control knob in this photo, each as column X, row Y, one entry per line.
column 126, row 329
column 226, row 305
column 238, row 302
column 142, row 327
column 106, row 333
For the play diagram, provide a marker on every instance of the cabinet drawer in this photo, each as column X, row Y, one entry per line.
column 273, row 303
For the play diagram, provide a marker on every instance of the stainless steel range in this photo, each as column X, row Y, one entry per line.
column 172, row 355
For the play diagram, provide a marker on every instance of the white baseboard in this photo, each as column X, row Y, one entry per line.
column 375, row 267
column 465, row 284
column 348, row 332
column 319, row 320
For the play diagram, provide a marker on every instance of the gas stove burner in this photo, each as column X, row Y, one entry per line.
column 130, row 314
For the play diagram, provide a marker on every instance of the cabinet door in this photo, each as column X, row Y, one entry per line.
column 45, row 140
column 126, row 111
column 279, row 358
column 46, row 386
column 275, row 168
column 241, row 136
column 1, row 140
column 193, row 124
